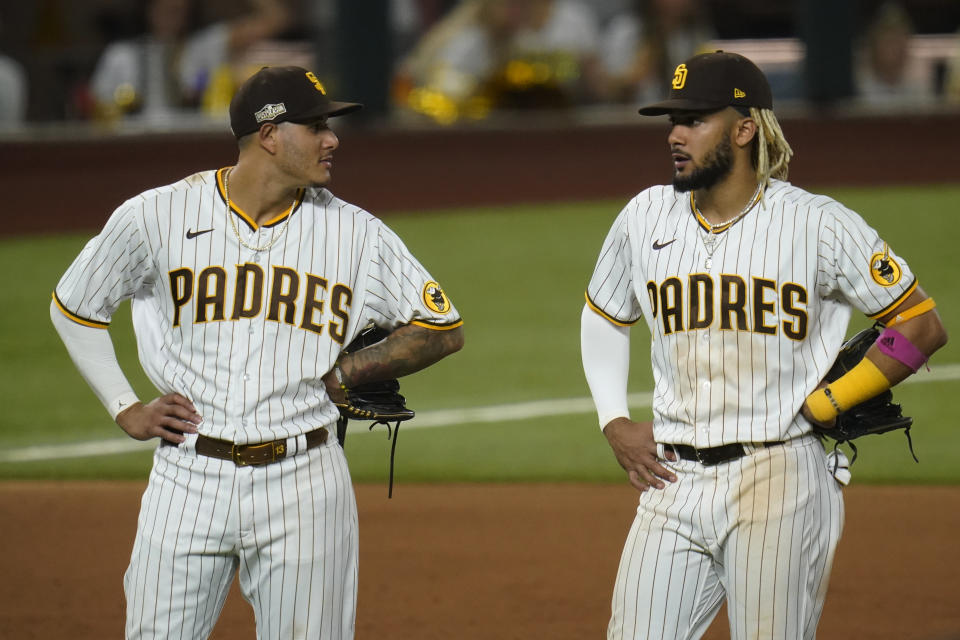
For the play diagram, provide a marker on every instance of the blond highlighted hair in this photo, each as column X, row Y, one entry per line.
column 772, row 153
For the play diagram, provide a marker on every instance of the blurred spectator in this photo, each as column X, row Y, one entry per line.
column 887, row 74
column 951, row 74
column 503, row 54
column 13, row 92
column 408, row 21
column 607, row 10
column 641, row 47
column 175, row 66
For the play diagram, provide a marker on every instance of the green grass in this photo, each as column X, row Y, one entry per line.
column 517, row 275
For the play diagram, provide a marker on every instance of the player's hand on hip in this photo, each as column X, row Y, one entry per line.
column 636, row 451
column 167, row 417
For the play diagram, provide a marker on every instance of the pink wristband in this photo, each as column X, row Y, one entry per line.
column 894, row 344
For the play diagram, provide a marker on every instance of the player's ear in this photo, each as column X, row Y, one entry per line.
column 267, row 137
column 745, row 131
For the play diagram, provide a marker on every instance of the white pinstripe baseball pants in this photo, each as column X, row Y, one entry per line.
column 760, row 530
column 289, row 527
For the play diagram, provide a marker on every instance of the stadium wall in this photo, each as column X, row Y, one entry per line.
column 72, row 185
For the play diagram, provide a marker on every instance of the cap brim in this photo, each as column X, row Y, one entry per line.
column 328, row 110
column 678, row 104
column 343, row 108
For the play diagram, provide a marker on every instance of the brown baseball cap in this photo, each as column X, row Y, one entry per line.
column 282, row 94
column 712, row 81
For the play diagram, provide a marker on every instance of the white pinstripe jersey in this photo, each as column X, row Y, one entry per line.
column 247, row 335
column 737, row 346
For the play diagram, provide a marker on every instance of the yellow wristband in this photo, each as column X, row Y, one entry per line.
column 861, row 383
column 820, row 406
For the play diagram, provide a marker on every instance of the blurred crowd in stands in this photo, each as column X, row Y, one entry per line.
column 159, row 61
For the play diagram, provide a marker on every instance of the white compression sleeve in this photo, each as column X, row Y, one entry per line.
column 605, row 350
column 92, row 352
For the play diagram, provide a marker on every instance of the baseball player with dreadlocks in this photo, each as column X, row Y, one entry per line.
column 247, row 283
column 747, row 284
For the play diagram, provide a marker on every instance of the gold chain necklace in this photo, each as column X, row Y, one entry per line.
column 233, row 223
column 712, row 238
column 720, row 226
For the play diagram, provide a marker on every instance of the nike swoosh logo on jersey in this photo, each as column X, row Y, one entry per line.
column 191, row 234
column 657, row 246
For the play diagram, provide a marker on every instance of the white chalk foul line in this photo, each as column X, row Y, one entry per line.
column 424, row 420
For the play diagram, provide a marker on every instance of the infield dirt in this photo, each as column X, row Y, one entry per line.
column 472, row 562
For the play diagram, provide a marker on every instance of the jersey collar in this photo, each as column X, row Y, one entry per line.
column 720, row 228
column 245, row 217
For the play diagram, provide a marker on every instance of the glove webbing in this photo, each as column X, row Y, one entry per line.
column 853, row 447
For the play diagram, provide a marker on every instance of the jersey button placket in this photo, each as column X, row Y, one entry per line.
column 703, row 435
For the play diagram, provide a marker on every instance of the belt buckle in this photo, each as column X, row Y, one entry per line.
column 720, row 454
column 713, row 458
column 235, row 455
column 278, row 449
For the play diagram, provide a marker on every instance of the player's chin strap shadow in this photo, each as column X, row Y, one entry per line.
column 394, row 432
column 853, row 447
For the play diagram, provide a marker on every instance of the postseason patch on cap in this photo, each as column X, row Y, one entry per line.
column 270, row 111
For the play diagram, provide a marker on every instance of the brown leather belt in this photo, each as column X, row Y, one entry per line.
column 253, row 455
column 715, row 455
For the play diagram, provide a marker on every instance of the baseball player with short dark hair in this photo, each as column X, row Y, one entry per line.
column 246, row 283
column 747, row 284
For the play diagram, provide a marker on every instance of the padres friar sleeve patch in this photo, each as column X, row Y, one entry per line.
column 435, row 299
column 884, row 268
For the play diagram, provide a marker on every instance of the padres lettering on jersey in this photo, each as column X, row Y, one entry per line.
column 728, row 311
column 729, row 303
column 284, row 295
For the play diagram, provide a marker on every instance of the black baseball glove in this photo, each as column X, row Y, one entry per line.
column 378, row 401
column 876, row 415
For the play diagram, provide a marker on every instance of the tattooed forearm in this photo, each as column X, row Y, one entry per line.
column 408, row 349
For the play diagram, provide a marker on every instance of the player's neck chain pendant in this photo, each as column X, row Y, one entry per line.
column 712, row 238
column 710, row 243
column 275, row 236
